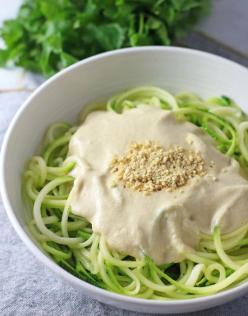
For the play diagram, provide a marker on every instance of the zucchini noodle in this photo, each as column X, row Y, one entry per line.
column 220, row 262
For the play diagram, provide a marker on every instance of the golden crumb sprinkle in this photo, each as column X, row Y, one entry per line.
column 148, row 167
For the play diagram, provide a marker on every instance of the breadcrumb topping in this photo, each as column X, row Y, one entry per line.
column 148, row 167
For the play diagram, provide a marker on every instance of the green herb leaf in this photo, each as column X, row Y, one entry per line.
column 49, row 35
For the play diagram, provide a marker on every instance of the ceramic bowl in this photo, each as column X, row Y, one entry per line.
column 63, row 96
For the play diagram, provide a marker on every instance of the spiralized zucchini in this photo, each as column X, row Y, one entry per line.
column 220, row 262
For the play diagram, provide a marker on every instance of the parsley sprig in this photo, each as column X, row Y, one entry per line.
column 47, row 36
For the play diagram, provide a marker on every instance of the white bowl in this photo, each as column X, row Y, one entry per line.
column 62, row 97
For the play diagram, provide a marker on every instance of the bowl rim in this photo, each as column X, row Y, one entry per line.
column 229, row 293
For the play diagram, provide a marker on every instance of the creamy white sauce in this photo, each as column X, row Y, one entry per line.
column 164, row 224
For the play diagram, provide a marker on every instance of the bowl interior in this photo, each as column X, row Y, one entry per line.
column 62, row 97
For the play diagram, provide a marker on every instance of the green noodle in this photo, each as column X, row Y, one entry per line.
column 220, row 262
